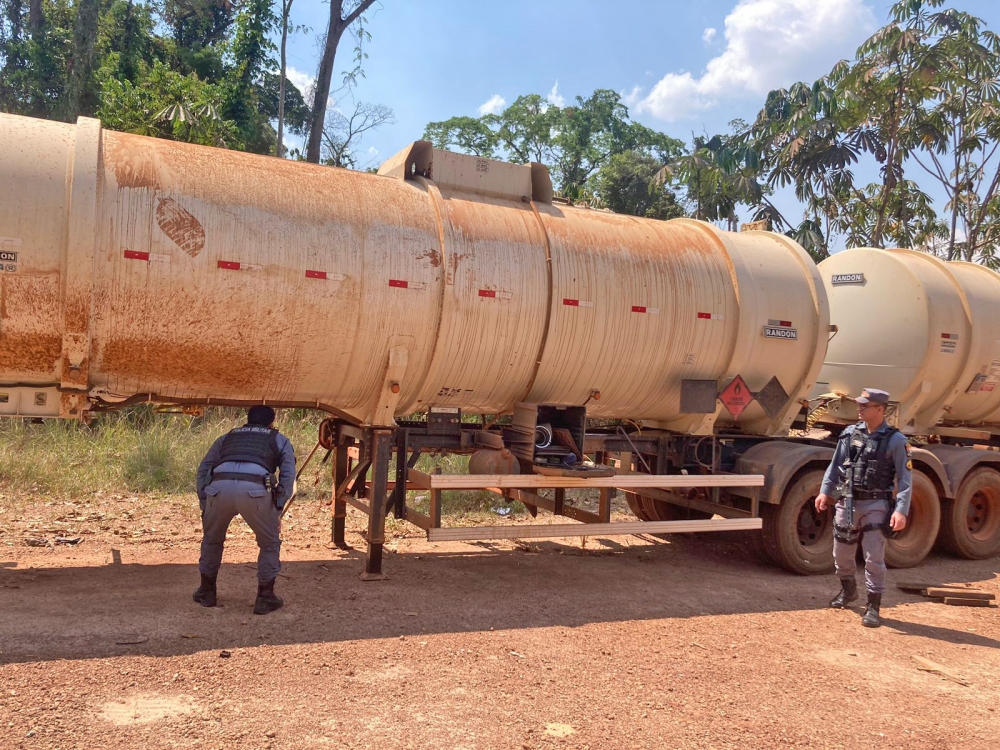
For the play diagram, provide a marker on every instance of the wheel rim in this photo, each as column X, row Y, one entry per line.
column 983, row 514
column 811, row 524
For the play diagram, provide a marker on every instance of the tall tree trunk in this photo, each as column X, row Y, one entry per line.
column 286, row 10
column 338, row 24
column 81, row 97
column 35, row 17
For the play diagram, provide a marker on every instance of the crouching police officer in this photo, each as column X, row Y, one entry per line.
column 237, row 476
column 870, row 456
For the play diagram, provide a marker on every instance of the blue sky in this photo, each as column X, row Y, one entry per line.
column 683, row 67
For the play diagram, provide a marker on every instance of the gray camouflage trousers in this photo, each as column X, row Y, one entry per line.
column 224, row 500
column 872, row 543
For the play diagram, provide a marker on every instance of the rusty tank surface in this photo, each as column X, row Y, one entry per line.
column 143, row 269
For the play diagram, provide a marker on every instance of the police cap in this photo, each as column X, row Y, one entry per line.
column 873, row 396
column 260, row 415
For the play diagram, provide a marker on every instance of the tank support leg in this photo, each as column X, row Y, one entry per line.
column 340, row 472
column 399, row 492
column 382, row 445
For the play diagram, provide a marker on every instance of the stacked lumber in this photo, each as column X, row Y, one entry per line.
column 956, row 596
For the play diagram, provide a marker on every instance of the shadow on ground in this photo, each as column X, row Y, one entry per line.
column 144, row 607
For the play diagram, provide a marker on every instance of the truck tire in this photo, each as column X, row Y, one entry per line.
column 635, row 505
column 795, row 535
column 649, row 509
column 970, row 524
column 912, row 546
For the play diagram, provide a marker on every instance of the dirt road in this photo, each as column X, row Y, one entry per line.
column 625, row 643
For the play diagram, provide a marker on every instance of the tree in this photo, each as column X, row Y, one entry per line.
column 251, row 59
column 574, row 142
column 286, row 10
column 339, row 23
column 959, row 134
column 81, row 94
column 343, row 132
column 469, row 135
column 627, row 184
column 719, row 174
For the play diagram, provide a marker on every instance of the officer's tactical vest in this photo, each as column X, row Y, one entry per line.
column 872, row 473
column 254, row 444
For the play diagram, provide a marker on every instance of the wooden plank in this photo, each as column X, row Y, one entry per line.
column 604, row 505
column 359, row 504
column 417, row 518
column 927, row 665
column 919, row 587
column 628, row 481
column 963, row 602
column 419, row 478
column 703, row 505
column 549, row 531
column 391, row 484
column 937, row 593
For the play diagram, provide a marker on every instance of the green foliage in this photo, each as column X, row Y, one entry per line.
column 576, row 142
column 192, row 70
column 920, row 100
column 627, row 184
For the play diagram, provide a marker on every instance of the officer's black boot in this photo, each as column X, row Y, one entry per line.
column 267, row 600
column 848, row 593
column 205, row 594
column 871, row 618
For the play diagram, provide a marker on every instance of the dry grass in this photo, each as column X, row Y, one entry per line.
column 139, row 451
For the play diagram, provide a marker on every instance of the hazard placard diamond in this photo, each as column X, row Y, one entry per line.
column 736, row 396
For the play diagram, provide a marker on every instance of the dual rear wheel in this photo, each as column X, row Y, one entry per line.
column 798, row 537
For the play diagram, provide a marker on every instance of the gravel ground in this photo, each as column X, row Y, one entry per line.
column 634, row 642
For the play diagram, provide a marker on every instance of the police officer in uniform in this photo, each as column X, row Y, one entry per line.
column 237, row 475
column 869, row 458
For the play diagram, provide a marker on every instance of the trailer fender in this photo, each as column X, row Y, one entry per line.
column 779, row 462
column 957, row 461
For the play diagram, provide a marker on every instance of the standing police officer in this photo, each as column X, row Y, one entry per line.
column 870, row 456
column 237, row 476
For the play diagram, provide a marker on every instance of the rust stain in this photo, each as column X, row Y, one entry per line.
column 433, row 256
column 205, row 365
column 77, row 312
column 181, row 226
column 131, row 160
column 21, row 353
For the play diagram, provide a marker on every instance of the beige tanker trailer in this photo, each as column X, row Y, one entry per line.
column 137, row 269
column 927, row 331
column 139, row 266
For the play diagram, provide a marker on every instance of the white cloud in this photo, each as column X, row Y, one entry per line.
column 769, row 44
column 554, row 97
column 372, row 151
column 708, row 35
column 492, row 106
column 302, row 81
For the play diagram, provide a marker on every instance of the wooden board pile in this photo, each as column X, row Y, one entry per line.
column 959, row 596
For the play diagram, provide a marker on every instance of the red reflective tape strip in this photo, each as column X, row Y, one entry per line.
column 638, row 308
column 315, row 274
column 399, row 283
column 229, row 265
column 571, row 302
column 704, row 316
column 487, row 293
column 136, row 255
column 785, row 323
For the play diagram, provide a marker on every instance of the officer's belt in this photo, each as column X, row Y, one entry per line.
column 872, row 495
column 260, row 479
